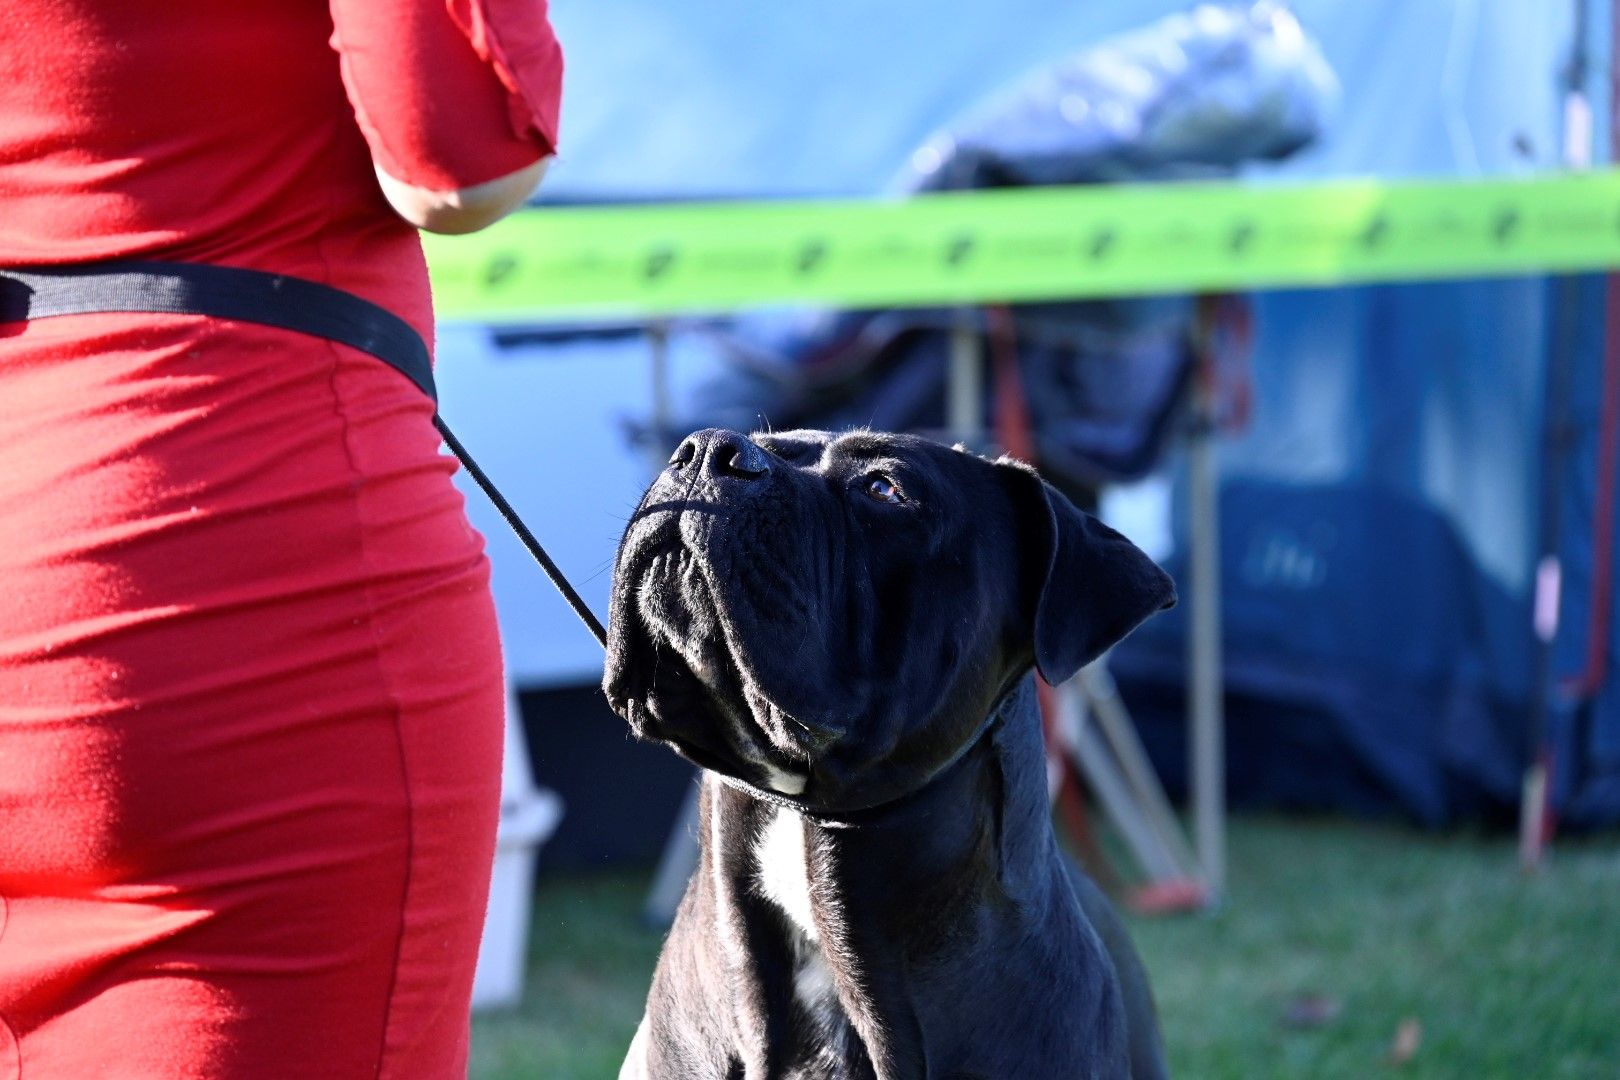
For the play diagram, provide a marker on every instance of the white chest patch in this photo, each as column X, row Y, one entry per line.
column 784, row 869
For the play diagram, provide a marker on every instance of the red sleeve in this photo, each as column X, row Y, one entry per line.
column 450, row 93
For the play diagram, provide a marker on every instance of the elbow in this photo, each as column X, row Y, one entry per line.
column 464, row 210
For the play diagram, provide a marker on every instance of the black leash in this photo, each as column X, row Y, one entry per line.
column 288, row 303
column 487, row 486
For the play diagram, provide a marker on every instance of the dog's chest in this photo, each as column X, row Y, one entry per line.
column 783, row 863
column 783, row 860
column 826, row 1046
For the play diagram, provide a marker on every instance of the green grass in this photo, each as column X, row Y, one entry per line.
column 1505, row 976
column 590, row 961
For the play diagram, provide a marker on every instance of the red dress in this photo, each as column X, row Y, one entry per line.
column 250, row 689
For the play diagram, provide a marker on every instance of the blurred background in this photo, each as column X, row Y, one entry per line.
column 1401, row 473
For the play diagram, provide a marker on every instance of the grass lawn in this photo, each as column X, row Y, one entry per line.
column 1371, row 928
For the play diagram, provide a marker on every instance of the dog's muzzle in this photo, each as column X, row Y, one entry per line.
column 717, row 454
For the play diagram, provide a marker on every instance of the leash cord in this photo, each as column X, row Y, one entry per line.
column 487, row 486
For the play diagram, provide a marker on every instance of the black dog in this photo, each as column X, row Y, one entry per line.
column 839, row 628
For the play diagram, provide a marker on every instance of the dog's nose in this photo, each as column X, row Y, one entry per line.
column 716, row 452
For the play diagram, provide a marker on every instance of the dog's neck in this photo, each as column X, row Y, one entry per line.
column 842, row 918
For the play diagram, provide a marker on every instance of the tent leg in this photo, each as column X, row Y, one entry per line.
column 1113, row 789
column 964, row 388
column 1115, row 723
column 675, row 865
column 662, row 414
column 1204, row 689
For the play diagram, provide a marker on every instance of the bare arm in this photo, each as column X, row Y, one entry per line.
column 462, row 210
column 457, row 101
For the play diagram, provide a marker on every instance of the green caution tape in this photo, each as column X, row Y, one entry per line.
column 1021, row 245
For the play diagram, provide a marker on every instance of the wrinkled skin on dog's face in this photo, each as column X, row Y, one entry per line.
column 831, row 617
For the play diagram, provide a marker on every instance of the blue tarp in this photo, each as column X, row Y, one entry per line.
column 1191, row 96
column 1379, row 515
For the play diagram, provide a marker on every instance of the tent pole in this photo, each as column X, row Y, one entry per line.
column 1535, row 798
column 1204, row 691
column 964, row 387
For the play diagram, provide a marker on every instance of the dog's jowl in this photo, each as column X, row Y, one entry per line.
column 840, row 630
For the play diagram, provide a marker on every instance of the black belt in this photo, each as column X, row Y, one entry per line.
column 256, row 296
column 222, row 292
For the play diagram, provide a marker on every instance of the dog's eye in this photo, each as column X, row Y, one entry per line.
column 883, row 489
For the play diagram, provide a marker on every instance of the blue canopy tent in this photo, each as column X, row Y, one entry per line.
column 1379, row 516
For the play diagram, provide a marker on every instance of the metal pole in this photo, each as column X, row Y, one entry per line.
column 964, row 391
column 662, row 419
column 1535, row 798
column 1097, row 684
column 1113, row 790
column 1208, row 750
column 679, row 858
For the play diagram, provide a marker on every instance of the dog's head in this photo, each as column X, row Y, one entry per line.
column 832, row 616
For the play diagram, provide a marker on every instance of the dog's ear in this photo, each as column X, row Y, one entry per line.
column 1090, row 585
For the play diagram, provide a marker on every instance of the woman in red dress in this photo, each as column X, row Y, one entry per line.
column 250, row 687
